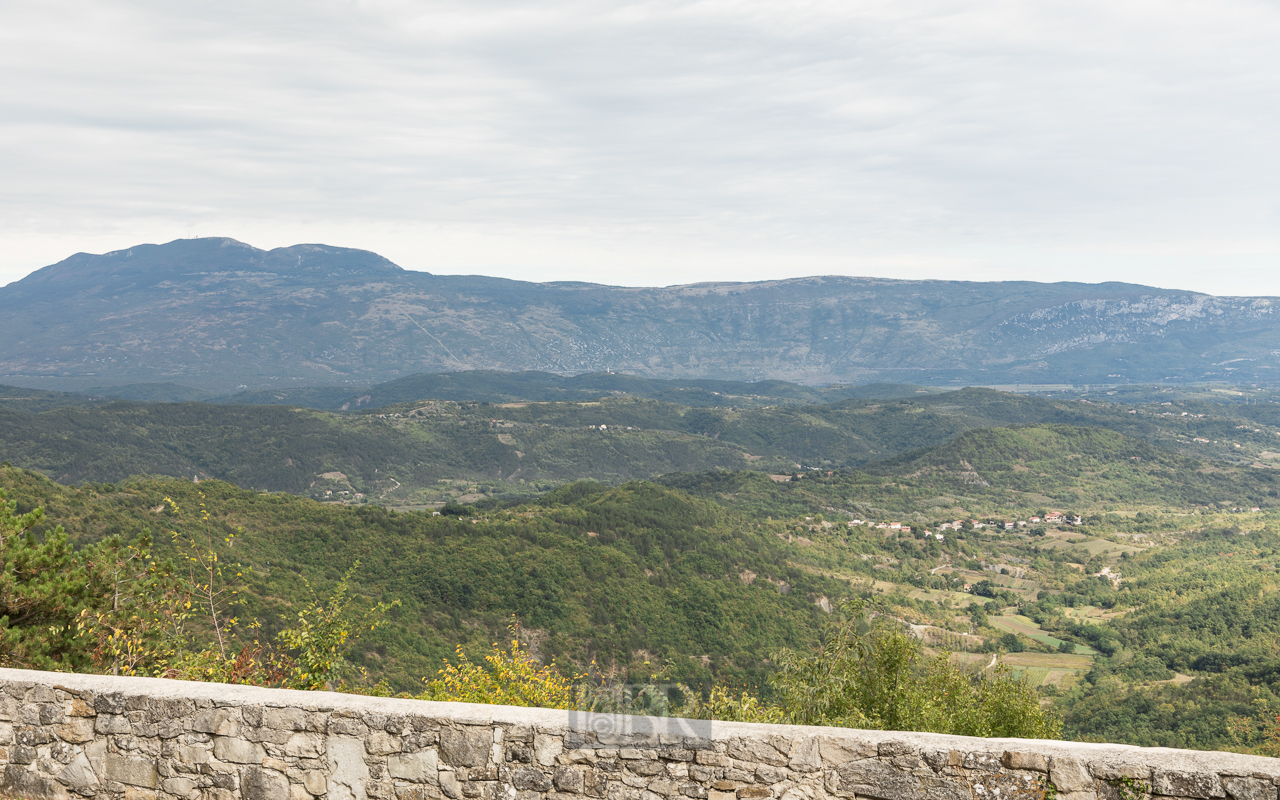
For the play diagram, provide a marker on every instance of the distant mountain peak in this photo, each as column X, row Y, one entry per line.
column 150, row 264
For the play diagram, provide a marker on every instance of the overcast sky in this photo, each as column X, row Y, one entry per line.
column 658, row 142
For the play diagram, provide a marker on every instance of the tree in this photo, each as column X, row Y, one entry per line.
column 43, row 590
column 512, row 677
column 871, row 673
column 325, row 631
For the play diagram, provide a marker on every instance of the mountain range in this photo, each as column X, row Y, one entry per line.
column 221, row 315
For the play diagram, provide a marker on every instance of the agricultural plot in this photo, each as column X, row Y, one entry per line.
column 1090, row 613
column 1021, row 586
column 1024, row 626
column 956, row 599
column 1047, row 669
column 1092, row 546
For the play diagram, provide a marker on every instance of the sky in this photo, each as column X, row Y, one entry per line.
column 657, row 143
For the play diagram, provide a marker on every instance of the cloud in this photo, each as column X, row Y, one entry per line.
column 657, row 142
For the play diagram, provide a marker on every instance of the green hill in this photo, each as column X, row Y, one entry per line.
column 491, row 386
column 623, row 575
column 1005, row 471
column 427, row 451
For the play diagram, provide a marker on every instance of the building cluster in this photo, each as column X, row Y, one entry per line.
column 1052, row 518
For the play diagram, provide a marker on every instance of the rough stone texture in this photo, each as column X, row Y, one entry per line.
column 1249, row 789
column 1177, row 783
column 89, row 736
column 1069, row 775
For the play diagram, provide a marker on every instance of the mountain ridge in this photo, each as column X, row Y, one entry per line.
column 220, row 315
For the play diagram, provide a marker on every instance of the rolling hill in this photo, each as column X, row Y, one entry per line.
column 432, row 450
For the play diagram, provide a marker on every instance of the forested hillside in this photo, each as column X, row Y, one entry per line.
column 621, row 575
column 429, row 451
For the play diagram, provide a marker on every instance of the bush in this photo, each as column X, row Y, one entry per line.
column 870, row 673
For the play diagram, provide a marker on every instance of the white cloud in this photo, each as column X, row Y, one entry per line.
column 657, row 142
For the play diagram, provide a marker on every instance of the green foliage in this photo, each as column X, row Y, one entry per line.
column 871, row 674
column 43, row 591
column 510, row 677
column 324, row 632
column 665, row 576
column 1000, row 471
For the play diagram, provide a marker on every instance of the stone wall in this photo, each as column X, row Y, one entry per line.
column 63, row 736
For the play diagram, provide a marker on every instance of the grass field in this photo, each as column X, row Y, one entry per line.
column 1024, row 626
column 1093, row 546
column 1090, row 613
column 1052, row 661
column 1047, row 669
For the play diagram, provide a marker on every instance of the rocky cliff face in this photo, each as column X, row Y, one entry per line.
column 217, row 313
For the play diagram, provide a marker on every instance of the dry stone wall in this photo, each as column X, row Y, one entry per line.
column 68, row 736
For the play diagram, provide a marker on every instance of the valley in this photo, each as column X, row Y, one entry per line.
column 1096, row 549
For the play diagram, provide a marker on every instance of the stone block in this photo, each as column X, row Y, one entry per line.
column 987, row 762
column 1110, row 771
column 259, row 783
column 28, row 785
column 314, row 781
column 1249, row 789
column 1175, row 783
column 218, row 721
column 111, row 724
column 835, row 751
column 79, row 708
column 304, row 745
column 238, row 751
column 711, row 758
column 76, row 730
column 568, row 780
column 284, row 719
column 347, row 726
column 78, row 774
column 546, row 748
column 468, row 747
column 193, row 754
column 1015, row 759
column 529, row 779
column 450, row 785
column 181, row 785
column 421, row 767
column 383, row 743
column 1069, row 775
column 873, row 778
column 806, row 755
column 132, row 771
column 348, row 773
column 418, row 793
